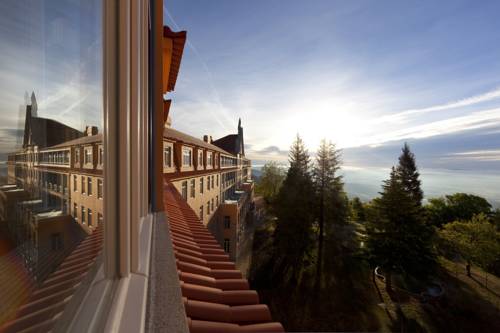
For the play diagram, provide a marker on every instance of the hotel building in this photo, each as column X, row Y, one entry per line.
column 133, row 229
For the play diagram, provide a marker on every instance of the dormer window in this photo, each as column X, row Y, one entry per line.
column 88, row 155
column 209, row 159
column 200, row 158
column 187, row 157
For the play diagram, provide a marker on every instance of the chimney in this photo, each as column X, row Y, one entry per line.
column 205, row 138
column 91, row 130
column 211, row 139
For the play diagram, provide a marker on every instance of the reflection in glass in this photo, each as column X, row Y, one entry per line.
column 51, row 154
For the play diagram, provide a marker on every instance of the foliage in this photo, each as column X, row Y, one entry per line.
column 399, row 239
column 408, row 175
column 477, row 240
column 270, row 181
column 295, row 214
column 456, row 207
column 358, row 211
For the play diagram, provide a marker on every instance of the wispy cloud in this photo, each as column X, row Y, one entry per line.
column 478, row 155
column 473, row 100
column 474, row 120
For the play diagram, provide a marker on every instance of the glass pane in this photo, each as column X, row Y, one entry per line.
column 51, row 155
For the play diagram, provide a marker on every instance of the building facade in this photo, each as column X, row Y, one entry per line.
column 215, row 182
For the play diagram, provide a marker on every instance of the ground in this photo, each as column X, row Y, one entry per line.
column 351, row 300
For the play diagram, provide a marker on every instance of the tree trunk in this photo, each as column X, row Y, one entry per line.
column 468, row 269
column 388, row 281
column 319, row 263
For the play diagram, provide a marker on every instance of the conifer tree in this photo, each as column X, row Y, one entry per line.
column 409, row 175
column 294, row 212
column 329, row 191
column 399, row 239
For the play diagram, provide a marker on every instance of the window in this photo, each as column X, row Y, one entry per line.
column 75, row 183
column 75, row 211
column 83, row 215
column 201, row 212
column 88, row 155
column 201, row 185
column 167, row 156
column 101, row 156
column 208, row 183
column 89, row 185
column 213, row 181
column 217, row 182
column 217, row 201
column 187, row 158
column 184, row 190
column 226, row 245
column 56, row 241
column 209, row 159
column 227, row 222
column 89, row 215
column 99, row 219
column 212, row 204
column 193, row 190
column 200, row 158
column 99, row 188
column 208, row 207
column 83, row 184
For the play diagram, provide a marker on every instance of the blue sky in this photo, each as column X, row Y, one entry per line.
column 367, row 75
column 54, row 49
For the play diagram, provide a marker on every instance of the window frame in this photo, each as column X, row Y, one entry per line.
column 122, row 268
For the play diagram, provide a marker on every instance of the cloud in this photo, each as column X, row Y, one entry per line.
column 271, row 153
column 477, row 155
column 402, row 116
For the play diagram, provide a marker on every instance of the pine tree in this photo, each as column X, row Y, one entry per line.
column 329, row 189
column 409, row 175
column 294, row 212
column 399, row 239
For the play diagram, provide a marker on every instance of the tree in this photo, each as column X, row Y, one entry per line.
column 270, row 181
column 329, row 192
column 477, row 240
column 358, row 210
column 409, row 175
column 458, row 206
column 294, row 211
column 399, row 239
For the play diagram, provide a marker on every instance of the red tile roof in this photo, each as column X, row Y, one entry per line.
column 216, row 297
column 178, row 40
column 47, row 302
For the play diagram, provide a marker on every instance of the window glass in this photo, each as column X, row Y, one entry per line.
column 51, row 119
column 187, row 156
column 167, row 156
column 193, row 190
column 184, row 190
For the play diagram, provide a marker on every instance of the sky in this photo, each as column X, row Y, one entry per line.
column 367, row 75
column 52, row 48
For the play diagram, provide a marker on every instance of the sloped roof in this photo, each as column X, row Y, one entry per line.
column 178, row 41
column 173, row 134
column 47, row 302
column 80, row 141
column 228, row 143
column 216, row 297
column 45, row 132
